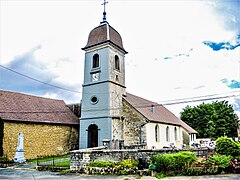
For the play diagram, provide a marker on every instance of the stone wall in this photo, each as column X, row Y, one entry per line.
column 39, row 139
column 132, row 126
column 80, row 158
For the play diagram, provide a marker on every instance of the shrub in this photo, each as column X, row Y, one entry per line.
column 187, row 157
column 4, row 159
column 161, row 161
column 227, row 146
column 222, row 161
column 66, row 171
column 101, row 164
column 160, row 175
column 173, row 162
column 237, row 157
column 193, row 171
column 128, row 163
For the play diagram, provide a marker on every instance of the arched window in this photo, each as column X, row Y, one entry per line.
column 95, row 63
column 167, row 133
column 157, row 133
column 175, row 133
column 117, row 63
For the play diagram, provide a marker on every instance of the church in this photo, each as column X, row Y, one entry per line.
column 109, row 113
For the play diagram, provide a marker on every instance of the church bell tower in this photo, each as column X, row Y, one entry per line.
column 103, row 86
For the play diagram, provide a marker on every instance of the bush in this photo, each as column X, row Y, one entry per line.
column 161, row 161
column 227, row 146
column 128, row 163
column 188, row 157
column 102, row 164
column 4, row 159
column 173, row 162
column 193, row 171
column 222, row 161
column 237, row 157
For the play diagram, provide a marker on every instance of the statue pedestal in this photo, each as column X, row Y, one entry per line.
column 19, row 157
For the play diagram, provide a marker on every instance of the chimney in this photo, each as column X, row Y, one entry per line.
column 153, row 110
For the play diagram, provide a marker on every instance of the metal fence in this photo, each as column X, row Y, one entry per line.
column 56, row 162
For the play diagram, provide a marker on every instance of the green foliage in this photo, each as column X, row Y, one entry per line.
column 101, row 164
column 193, row 171
column 161, row 175
column 1, row 136
column 211, row 120
column 172, row 162
column 66, row 171
column 65, row 163
column 124, row 167
column 222, row 161
column 4, row 159
column 129, row 163
column 118, row 168
column 227, row 146
column 161, row 161
column 237, row 157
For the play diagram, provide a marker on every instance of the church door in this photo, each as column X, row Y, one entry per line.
column 92, row 136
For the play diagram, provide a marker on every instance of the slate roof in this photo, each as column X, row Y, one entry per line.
column 160, row 113
column 21, row 107
column 104, row 33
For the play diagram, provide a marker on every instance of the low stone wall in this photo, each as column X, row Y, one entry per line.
column 79, row 158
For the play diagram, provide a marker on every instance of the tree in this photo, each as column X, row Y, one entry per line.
column 211, row 120
column 227, row 146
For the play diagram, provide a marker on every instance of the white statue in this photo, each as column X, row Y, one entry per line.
column 19, row 157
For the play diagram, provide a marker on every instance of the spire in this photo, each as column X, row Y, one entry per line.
column 104, row 11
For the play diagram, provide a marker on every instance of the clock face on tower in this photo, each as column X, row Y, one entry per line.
column 95, row 77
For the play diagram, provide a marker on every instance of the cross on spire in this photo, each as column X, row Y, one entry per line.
column 104, row 10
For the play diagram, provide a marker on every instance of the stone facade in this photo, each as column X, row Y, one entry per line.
column 133, row 130
column 128, row 127
column 39, row 139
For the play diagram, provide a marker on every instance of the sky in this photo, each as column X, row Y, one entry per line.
column 178, row 49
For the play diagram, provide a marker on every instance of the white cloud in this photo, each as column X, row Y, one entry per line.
column 151, row 30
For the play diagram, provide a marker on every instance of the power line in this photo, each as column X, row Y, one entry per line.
column 120, row 107
column 70, row 90
column 45, row 83
column 201, row 96
column 164, row 104
column 167, row 102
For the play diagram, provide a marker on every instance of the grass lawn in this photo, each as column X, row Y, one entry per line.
column 42, row 159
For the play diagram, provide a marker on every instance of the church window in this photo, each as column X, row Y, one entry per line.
column 117, row 63
column 157, row 133
column 167, row 134
column 117, row 78
column 175, row 133
column 95, row 63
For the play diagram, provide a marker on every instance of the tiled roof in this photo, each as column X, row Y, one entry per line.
column 158, row 114
column 104, row 33
column 21, row 107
